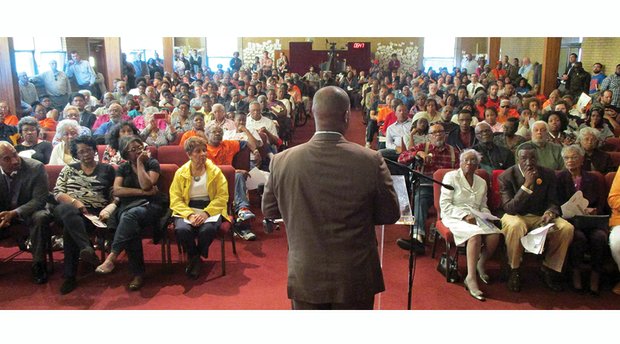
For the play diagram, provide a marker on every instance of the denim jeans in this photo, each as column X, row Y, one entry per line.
column 423, row 200
column 128, row 237
column 241, row 193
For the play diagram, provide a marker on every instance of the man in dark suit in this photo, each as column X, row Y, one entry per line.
column 236, row 104
column 465, row 136
column 331, row 193
column 529, row 198
column 23, row 194
column 494, row 157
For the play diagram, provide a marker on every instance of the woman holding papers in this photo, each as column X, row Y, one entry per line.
column 82, row 189
column 140, row 203
column 198, row 199
column 465, row 212
column 593, row 240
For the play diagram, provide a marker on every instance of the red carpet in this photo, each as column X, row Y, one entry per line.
column 256, row 278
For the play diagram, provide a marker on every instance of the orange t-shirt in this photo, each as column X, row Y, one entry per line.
column 11, row 120
column 48, row 123
column 187, row 135
column 224, row 153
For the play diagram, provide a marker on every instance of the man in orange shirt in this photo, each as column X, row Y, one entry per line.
column 8, row 131
column 198, row 120
column 505, row 111
column 222, row 152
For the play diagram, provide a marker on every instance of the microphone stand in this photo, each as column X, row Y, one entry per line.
column 414, row 178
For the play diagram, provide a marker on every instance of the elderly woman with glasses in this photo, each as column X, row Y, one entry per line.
column 461, row 211
column 595, row 159
column 593, row 240
column 71, row 112
column 136, row 187
column 68, row 130
column 84, row 193
column 31, row 146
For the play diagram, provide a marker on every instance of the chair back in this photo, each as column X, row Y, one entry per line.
column 53, row 171
column 495, row 199
column 172, row 155
column 49, row 136
column 439, row 175
column 241, row 160
column 611, row 144
column 615, row 159
column 101, row 151
column 166, row 176
column 229, row 173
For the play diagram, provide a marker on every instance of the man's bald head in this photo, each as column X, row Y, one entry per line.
column 9, row 160
column 331, row 108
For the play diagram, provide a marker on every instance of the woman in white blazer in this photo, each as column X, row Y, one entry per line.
column 463, row 211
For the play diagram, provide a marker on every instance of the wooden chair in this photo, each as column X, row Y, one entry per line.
column 442, row 230
column 225, row 230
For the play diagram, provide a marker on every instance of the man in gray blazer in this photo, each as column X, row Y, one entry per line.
column 331, row 193
column 23, row 195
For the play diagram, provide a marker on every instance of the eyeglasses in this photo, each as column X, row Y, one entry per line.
column 135, row 149
column 437, row 133
column 504, row 106
column 85, row 151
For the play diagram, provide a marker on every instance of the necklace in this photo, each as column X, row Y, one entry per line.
column 197, row 179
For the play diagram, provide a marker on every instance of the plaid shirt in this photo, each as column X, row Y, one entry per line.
column 442, row 158
column 612, row 83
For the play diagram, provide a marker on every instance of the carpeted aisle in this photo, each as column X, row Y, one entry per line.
column 256, row 277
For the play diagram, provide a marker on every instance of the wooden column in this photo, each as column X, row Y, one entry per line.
column 551, row 59
column 494, row 43
column 9, row 88
column 168, row 46
column 113, row 60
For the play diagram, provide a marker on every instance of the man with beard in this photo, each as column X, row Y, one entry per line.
column 612, row 83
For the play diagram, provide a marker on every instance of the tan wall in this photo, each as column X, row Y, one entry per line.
column 473, row 45
column 191, row 42
column 523, row 47
column 78, row 43
column 604, row 50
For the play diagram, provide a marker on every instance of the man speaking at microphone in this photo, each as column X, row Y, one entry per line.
column 331, row 193
column 432, row 155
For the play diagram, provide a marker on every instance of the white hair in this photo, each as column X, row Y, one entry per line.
column 65, row 124
column 477, row 154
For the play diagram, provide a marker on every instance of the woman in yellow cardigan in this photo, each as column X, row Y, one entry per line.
column 198, row 199
column 614, row 224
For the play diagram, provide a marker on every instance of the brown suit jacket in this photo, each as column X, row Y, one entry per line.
column 331, row 193
column 515, row 201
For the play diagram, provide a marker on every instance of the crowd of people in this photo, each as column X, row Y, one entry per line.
column 474, row 116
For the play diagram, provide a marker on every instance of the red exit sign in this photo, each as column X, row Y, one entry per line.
column 359, row 45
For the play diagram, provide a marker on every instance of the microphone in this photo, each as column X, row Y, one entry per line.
column 417, row 174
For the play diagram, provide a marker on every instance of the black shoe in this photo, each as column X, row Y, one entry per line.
column 407, row 245
column 39, row 273
column 514, row 281
column 193, row 267
column 89, row 256
column 550, row 280
column 68, row 285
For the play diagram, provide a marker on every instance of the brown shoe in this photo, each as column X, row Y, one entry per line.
column 549, row 277
column 136, row 283
column 514, row 281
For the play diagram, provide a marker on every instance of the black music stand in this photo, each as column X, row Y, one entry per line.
column 412, row 181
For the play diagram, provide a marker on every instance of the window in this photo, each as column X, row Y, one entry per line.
column 146, row 46
column 33, row 54
column 220, row 50
column 439, row 52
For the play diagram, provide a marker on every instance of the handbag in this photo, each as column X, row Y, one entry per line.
column 448, row 268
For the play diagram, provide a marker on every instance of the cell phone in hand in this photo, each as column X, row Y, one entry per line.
column 159, row 116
